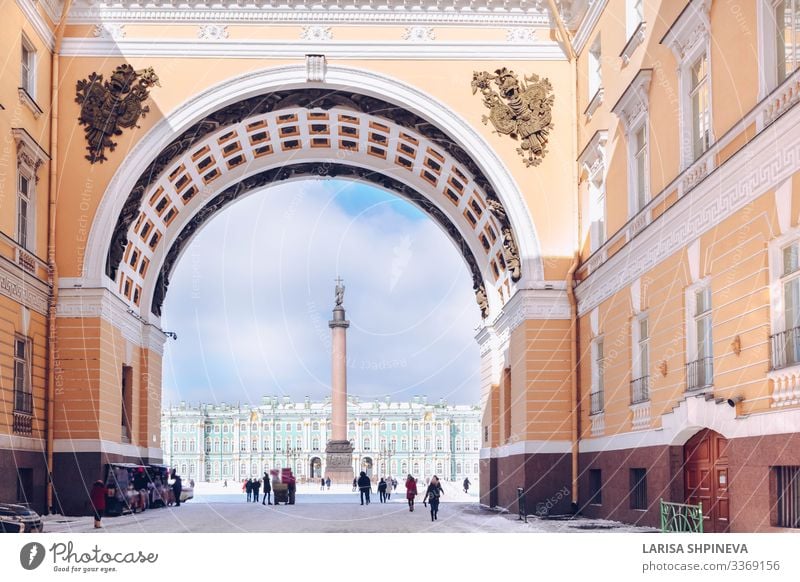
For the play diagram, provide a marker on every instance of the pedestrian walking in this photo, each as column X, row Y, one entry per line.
column 225, row 483
column 364, row 485
column 98, row 497
column 177, row 487
column 355, row 484
column 388, row 489
column 256, row 489
column 394, row 483
column 267, row 490
column 322, row 484
column 382, row 490
column 411, row 491
column 432, row 495
column 328, row 483
column 466, row 484
column 249, row 489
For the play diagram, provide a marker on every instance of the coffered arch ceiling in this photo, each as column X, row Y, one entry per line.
column 289, row 135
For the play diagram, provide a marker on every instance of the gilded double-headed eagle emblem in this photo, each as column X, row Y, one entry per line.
column 520, row 109
column 108, row 107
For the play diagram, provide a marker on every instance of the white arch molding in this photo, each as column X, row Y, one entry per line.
column 295, row 76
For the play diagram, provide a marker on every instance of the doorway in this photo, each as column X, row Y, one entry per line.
column 705, row 473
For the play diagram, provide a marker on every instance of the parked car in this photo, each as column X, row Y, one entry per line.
column 187, row 493
column 19, row 519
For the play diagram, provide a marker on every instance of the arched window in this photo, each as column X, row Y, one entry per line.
column 175, row 446
column 183, row 468
column 416, row 468
column 458, row 468
column 394, row 467
column 216, row 468
column 404, row 444
column 427, row 444
column 243, row 470
column 191, row 445
column 224, row 469
column 208, row 471
column 428, row 426
column 265, row 426
column 288, row 427
column 366, row 426
column 191, row 470
column 299, row 427
column 255, row 468
column 404, row 468
column 428, row 470
column 224, row 428
column 394, row 443
column 404, row 426
column 394, row 426
column 315, row 426
column 254, row 427
column 242, row 426
column 216, row 428
column 367, row 444
column 352, row 425
column 438, row 426
column 216, row 445
column 475, row 468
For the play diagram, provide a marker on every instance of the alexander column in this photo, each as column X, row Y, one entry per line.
column 339, row 451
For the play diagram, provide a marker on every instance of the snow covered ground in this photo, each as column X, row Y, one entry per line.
column 219, row 509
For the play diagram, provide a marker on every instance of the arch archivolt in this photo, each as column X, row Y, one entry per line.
column 237, row 138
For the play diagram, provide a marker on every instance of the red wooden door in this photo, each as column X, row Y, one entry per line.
column 705, row 472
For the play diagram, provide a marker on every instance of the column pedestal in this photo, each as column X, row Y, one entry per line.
column 339, row 462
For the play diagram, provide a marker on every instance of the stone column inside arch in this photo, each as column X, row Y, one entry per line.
column 339, row 452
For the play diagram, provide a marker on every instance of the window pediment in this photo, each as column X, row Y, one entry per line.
column 30, row 154
column 690, row 29
column 634, row 100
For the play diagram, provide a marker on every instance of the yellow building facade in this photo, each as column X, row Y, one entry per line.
column 636, row 278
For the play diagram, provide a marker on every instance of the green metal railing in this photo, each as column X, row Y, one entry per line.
column 681, row 517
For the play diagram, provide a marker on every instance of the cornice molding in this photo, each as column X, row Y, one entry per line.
column 38, row 23
column 492, row 12
column 593, row 157
column 748, row 174
column 635, row 99
column 588, row 23
column 689, row 29
column 260, row 49
column 553, row 447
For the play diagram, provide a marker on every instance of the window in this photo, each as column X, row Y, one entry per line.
column 24, row 211
column 440, row 469
column 404, row 444
column 787, row 24
column 458, row 444
column 394, row 426
column 595, row 487
column 415, row 444
column 439, row 446
column 787, row 480
column 266, row 444
column 208, row 445
column 634, row 16
column 126, row 402
column 298, row 427
column 700, row 369
column 192, row 445
column 28, row 68
column 183, row 445
column 595, row 70
column 23, row 396
column 639, row 166
column 700, row 108
column 255, row 445
column 352, row 426
column 427, row 444
column 242, row 445
column 315, row 444
column 475, row 468
column 640, row 386
column 254, row 427
column 366, row 426
column 216, row 446
column 597, row 377
column 288, row 427
column 638, row 481
column 593, row 162
column 367, row 444
column 786, row 343
column 438, row 426
column 315, row 426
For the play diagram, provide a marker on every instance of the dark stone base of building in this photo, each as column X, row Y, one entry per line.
column 544, row 478
column 664, row 481
column 74, row 473
column 23, row 475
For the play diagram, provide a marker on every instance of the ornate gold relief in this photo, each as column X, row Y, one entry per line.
column 662, row 367
column 520, row 109
column 108, row 107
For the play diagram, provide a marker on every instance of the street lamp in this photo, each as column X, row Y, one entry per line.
column 387, row 450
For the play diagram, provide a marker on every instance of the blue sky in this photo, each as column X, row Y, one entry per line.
column 251, row 298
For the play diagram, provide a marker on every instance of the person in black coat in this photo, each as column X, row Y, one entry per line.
column 364, row 485
column 267, row 490
column 382, row 490
column 249, row 488
column 432, row 495
column 177, row 487
column 256, row 489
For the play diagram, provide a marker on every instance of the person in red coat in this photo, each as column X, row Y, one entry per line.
column 411, row 491
column 98, row 496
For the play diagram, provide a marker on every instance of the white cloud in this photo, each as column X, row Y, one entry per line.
column 251, row 299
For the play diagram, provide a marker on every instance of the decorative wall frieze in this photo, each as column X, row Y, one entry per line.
column 212, row 32
column 22, row 288
column 263, row 49
column 521, row 35
column 103, row 303
column 112, row 30
column 316, row 66
column 317, row 33
column 518, row 108
column 531, row 304
column 748, row 174
column 419, row 34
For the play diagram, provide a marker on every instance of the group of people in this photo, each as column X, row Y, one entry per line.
column 141, row 493
column 433, row 491
column 253, row 489
column 324, row 482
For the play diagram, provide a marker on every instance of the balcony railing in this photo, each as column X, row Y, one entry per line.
column 699, row 373
column 785, row 348
column 23, row 423
column 596, row 402
column 23, row 402
column 640, row 390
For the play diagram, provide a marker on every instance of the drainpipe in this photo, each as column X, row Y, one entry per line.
column 52, row 269
column 573, row 364
column 566, row 38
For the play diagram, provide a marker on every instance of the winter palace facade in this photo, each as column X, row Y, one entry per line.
column 211, row 442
